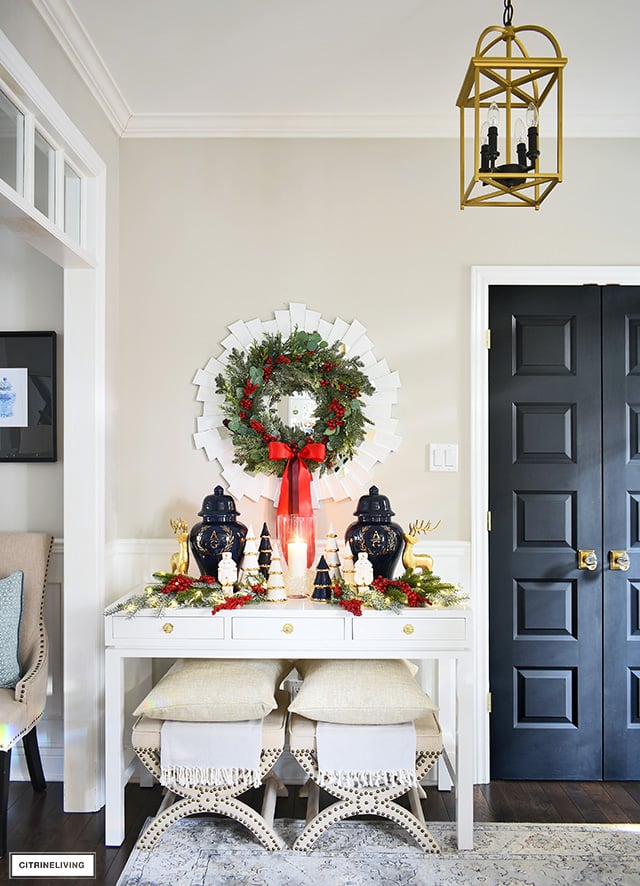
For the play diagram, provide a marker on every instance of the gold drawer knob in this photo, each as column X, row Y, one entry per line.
column 408, row 629
column 167, row 627
column 287, row 628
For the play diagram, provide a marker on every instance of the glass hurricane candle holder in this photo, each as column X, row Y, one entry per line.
column 296, row 535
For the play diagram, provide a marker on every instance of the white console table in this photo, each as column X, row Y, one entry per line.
column 293, row 629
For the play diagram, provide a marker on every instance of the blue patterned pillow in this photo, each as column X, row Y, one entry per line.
column 10, row 612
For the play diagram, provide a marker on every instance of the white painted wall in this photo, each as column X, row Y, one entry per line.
column 216, row 230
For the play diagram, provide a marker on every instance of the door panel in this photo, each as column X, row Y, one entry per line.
column 545, row 490
column 621, row 501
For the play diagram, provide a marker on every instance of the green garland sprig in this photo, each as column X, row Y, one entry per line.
column 255, row 380
column 412, row 589
column 174, row 591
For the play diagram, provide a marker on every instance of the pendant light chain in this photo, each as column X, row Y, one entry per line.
column 508, row 13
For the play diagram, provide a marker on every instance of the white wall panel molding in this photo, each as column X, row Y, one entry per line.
column 132, row 561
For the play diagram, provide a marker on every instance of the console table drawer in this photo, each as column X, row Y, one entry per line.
column 410, row 629
column 281, row 627
column 166, row 628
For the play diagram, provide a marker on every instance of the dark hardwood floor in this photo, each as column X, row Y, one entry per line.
column 38, row 824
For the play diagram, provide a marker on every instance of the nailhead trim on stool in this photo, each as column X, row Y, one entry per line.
column 364, row 801
column 220, row 799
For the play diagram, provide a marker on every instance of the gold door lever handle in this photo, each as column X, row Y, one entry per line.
column 587, row 560
column 619, row 560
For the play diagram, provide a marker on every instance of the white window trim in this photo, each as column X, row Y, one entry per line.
column 84, row 433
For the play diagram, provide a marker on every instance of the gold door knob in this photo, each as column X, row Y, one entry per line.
column 587, row 560
column 167, row 627
column 619, row 560
column 408, row 629
column 287, row 628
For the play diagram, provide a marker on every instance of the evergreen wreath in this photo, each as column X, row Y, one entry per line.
column 255, row 380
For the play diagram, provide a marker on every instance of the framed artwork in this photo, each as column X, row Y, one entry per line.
column 28, row 396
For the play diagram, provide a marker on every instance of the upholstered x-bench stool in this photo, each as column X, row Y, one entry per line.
column 222, row 799
column 367, row 733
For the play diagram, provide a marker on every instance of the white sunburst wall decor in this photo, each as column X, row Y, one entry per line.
column 381, row 439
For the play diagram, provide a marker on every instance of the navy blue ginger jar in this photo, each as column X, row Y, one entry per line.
column 218, row 532
column 374, row 534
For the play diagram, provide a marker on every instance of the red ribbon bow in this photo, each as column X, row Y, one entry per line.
column 295, row 492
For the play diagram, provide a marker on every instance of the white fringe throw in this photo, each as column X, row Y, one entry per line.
column 367, row 756
column 210, row 754
column 194, row 776
column 367, row 779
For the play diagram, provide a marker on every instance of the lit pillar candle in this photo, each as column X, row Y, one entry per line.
column 297, row 558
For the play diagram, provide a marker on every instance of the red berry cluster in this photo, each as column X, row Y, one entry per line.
column 270, row 364
column 179, row 584
column 416, row 600
column 338, row 410
column 259, row 428
column 232, row 603
column 383, row 584
column 352, row 606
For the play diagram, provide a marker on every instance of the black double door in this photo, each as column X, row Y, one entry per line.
column 564, row 486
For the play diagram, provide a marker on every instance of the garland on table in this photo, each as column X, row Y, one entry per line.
column 173, row 591
column 255, row 380
column 413, row 589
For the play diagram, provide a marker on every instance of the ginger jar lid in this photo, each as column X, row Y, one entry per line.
column 218, row 506
column 374, row 506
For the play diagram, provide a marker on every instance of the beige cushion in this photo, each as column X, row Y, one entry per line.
column 146, row 732
column 14, row 719
column 302, row 734
column 20, row 709
column 373, row 692
column 215, row 690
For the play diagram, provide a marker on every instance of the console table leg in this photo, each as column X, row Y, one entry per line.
column 114, row 752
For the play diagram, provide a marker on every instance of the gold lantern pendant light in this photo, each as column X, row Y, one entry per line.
column 501, row 104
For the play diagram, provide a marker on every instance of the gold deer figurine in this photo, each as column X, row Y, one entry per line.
column 411, row 560
column 180, row 560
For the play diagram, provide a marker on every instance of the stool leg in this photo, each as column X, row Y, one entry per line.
column 416, row 805
column 313, row 800
column 269, row 801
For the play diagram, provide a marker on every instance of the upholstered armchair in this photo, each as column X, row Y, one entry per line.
column 24, row 560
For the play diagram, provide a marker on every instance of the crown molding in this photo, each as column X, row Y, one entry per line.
column 290, row 126
column 67, row 29
column 348, row 126
column 62, row 21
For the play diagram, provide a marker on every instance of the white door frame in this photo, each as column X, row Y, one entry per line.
column 481, row 279
column 84, row 435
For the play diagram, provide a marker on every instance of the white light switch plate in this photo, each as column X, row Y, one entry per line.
column 443, row 456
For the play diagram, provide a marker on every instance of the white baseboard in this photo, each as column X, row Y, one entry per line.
column 52, row 764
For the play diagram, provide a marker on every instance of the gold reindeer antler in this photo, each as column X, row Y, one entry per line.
column 416, row 528
column 179, row 526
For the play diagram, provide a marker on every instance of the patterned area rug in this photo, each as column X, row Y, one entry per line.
column 216, row 852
